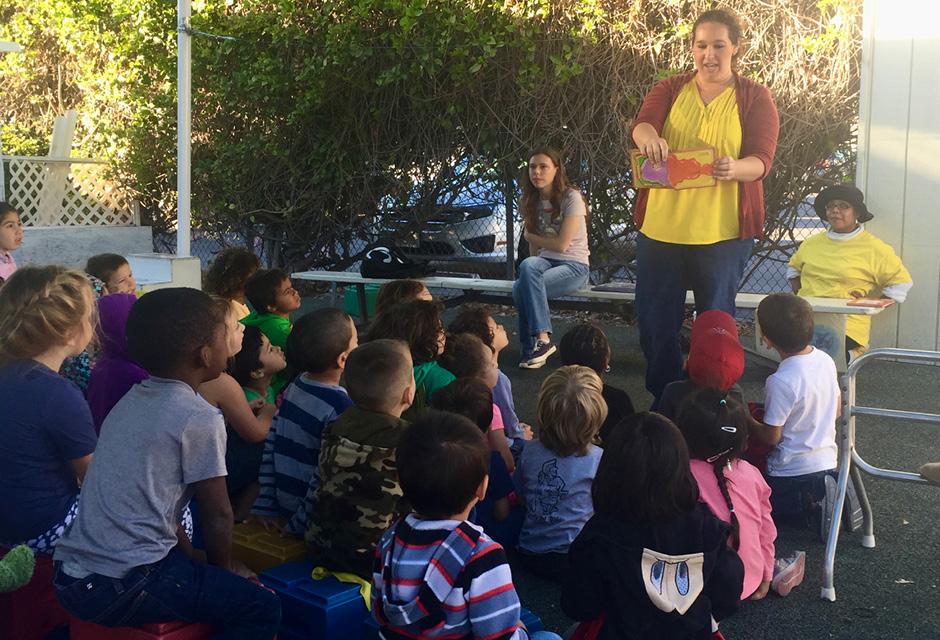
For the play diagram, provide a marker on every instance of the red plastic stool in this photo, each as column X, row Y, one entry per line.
column 33, row 611
column 81, row 630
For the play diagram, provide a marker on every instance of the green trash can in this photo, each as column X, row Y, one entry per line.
column 351, row 300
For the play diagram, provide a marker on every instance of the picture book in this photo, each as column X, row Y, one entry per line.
column 683, row 169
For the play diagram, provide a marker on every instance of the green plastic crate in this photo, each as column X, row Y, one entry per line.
column 351, row 300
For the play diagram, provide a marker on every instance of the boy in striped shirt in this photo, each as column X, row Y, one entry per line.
column 436, row 574
column 318, row 346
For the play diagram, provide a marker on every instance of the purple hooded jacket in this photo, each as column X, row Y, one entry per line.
column 114, row 373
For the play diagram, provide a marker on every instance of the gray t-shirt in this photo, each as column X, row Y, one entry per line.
column 572, row 205
column 557, row 496
column 159, row 439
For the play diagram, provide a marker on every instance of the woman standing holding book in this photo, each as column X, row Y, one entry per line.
column 699, row 239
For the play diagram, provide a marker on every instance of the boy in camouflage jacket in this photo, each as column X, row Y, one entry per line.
column 359, row 495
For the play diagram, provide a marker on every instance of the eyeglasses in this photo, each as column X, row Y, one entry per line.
column 837, row 204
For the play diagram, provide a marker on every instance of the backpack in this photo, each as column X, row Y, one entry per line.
column 388, row 261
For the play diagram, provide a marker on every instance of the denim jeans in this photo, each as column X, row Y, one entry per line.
column 540, row 279
column 176, row 588
column 789, row 495
column 665, row 271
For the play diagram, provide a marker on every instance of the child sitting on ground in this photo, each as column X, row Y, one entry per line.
column 126, row 561
column 228, row 274
column 359, row 495
column 653, row 562
column 318, row 347
column 419, row 324
column 399, row 291
column 11, row 237
column 471, row 398
column 274, row 298
column 480, row 322
column 255, row 365
column 247, row 425
column 715, row 430
column 46, row 432
column 114, row 271
column 466, row 356
column 555, row 472
column 716, row 361
column 585, row 344
column 114, row 372
column 436, row 574
column 801, row 404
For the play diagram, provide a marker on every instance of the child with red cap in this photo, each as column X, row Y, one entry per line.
column 716, row 361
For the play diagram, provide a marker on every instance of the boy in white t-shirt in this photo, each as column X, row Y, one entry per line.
column 801, row 404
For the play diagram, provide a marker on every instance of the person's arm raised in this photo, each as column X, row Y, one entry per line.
column 225, row 393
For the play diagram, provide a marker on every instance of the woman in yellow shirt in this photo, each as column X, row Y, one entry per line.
column 699, row 239
column 846, row 261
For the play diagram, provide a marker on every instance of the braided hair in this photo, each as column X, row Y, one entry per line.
column 587, row 345
column 40, row 308
column 715, row 429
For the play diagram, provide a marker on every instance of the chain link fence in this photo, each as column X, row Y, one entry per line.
column 482, row 240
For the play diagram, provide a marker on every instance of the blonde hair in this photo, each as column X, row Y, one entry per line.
column 40, row 307
column 571, row 410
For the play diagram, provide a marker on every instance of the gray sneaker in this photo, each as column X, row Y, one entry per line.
column 852, row 516
column 539, row 355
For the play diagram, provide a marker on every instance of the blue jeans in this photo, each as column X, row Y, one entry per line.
column 540, row 279
column 176, row 588
column 789, row 495
column 665, row 271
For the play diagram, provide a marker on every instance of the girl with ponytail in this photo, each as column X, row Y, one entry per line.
column 715, row 429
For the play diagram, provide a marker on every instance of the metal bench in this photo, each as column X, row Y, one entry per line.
column 829, row 312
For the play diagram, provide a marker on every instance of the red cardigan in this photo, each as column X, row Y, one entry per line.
column 760, row 126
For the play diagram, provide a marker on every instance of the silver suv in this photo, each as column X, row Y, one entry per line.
column 474, row 233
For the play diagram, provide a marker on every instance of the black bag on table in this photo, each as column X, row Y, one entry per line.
column 388, row 261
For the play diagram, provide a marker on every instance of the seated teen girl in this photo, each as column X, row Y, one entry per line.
column 46, row 432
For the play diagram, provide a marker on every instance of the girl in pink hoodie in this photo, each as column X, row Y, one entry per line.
column 715, row 429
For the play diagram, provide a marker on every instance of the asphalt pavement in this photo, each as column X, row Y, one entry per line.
column 889, row 592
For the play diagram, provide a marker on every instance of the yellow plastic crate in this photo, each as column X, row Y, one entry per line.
column 260, row 549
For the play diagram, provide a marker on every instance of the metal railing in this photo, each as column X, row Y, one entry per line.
column 850, row 461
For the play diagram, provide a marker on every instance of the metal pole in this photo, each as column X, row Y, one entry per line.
column 184, row 126
column 508, row 193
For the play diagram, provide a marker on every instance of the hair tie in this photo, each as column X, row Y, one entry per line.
column 729, row 429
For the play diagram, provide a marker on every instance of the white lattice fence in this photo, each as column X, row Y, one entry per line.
column 67, row 192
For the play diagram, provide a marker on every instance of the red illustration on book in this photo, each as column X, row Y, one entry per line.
column 684, row 169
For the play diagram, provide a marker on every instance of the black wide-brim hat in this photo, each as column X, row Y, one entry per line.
column 846, row 192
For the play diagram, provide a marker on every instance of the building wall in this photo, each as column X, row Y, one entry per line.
column 72, row 246
column 899, row 157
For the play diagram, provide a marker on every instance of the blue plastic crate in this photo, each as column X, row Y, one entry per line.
column 323, row 609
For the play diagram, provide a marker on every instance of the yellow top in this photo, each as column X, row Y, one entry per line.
column 709, row 214
column 834, row 268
